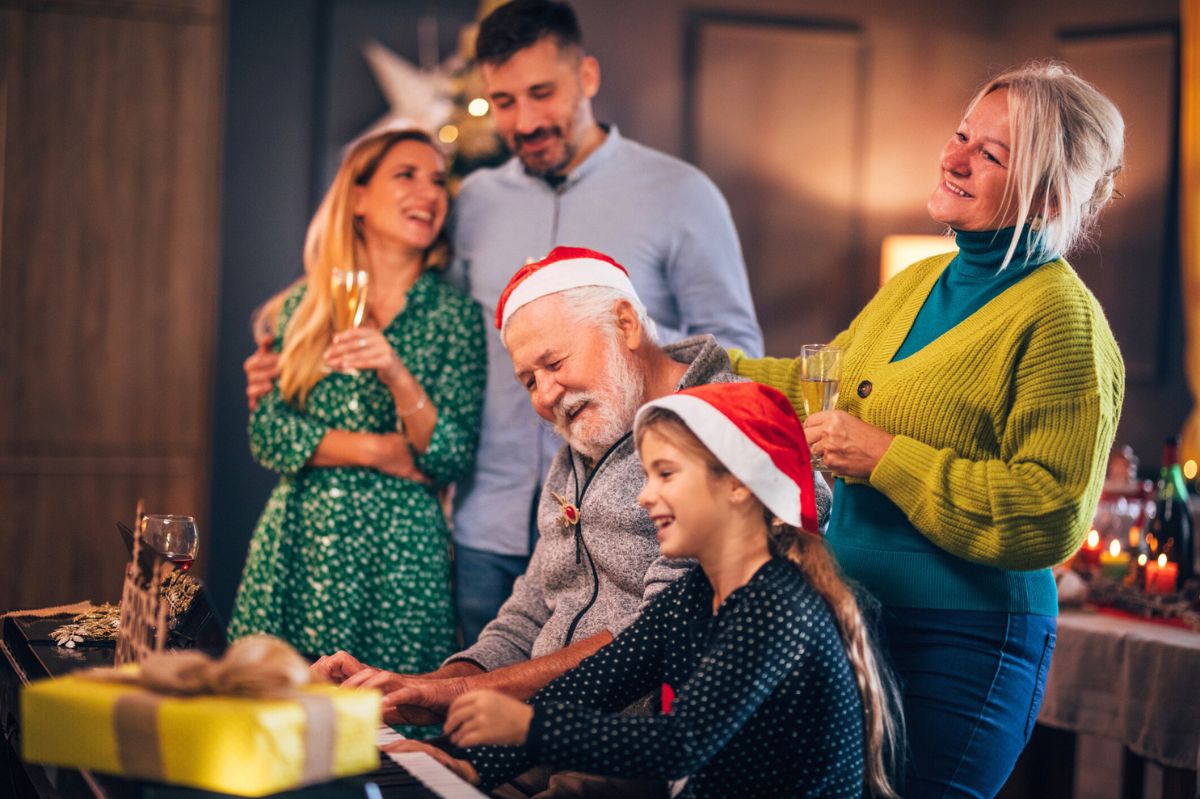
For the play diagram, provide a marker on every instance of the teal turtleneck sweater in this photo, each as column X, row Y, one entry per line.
column 871, row 534
column 970, row 281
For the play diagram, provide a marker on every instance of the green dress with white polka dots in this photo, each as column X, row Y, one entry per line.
column 352, row 558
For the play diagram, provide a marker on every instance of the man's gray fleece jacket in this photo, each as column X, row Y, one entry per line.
column 600, row 574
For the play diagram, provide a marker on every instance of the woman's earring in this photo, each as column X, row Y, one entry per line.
column 1035, row 223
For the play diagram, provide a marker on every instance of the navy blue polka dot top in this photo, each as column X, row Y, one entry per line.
column 765, row 699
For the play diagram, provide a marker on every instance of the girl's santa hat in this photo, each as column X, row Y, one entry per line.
column 564, row 268
column 755, row 434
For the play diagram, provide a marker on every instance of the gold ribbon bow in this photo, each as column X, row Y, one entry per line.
column 254, row 667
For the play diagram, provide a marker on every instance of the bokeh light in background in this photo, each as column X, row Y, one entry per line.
column 899, row 251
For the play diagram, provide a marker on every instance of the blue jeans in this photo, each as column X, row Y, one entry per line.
column 482, row 582
column 972, row 683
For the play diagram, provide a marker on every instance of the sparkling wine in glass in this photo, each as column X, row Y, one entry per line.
column 349, row 293
column 173, row 537
column 820, row 377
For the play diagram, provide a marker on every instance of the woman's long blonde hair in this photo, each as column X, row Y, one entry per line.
column 334, row 239
column 882, row 720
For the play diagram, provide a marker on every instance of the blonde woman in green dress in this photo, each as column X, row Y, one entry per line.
column 364, row 426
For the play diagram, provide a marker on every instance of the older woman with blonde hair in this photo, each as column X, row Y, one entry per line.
column 980, row 395
column 365, row 424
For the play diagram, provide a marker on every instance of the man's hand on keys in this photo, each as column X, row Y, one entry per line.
column 337, row 668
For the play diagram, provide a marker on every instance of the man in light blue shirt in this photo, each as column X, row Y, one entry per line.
column 575, row 182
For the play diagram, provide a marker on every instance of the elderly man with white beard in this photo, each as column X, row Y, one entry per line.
column 583, row 346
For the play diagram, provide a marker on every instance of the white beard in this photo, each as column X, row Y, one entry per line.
column 612, row 407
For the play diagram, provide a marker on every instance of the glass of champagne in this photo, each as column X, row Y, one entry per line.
column 349, row 295
column 820, row 375
column 173, row 537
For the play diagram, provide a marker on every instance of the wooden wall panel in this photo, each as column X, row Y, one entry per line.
column 107, row 280
column 788, row 155
column 175, row 10
column 1134, row 263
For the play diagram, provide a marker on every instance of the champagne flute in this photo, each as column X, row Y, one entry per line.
column 820, row 376
column 173, row 537
column 349, row 294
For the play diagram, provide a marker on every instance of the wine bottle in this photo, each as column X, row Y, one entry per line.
column 1171, row 532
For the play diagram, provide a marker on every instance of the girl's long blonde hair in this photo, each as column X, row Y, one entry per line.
column 334, row 239
column 882, row 716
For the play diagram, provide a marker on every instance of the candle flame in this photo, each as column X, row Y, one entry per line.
column 1162, row 561
column 1114, row 548
column 1093, row 539
column 1142, row 559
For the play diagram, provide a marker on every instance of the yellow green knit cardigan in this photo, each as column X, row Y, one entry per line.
column 1002, row 424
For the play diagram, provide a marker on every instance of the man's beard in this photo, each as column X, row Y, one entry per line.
column 538, row 168
column 612, row 407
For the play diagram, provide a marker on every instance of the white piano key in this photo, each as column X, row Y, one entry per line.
column 432, row 774
column 386, row 735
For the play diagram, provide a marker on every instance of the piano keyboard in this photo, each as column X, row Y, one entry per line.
column 417, row 767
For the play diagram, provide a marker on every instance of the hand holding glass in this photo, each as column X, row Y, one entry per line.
column 348, row 290
column 820, row 376
column 173, row 537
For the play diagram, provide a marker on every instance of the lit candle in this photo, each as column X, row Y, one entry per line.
column 1114, row 564
column 1089, row 553
column 1161, row 576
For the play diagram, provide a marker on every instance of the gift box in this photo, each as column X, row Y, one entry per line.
column 230, row 744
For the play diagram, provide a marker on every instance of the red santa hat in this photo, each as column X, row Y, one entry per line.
column 564, row 268
column 753, row 431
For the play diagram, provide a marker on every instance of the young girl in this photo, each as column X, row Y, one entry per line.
column 769, row 686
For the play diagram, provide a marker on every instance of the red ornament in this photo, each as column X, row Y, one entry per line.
column 668, row 698
column 570, row 513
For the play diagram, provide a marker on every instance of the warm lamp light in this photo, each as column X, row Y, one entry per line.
column 901, row 251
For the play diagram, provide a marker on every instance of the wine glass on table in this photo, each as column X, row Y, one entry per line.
column 820, row 377
column 348, row 290
column 173, row 537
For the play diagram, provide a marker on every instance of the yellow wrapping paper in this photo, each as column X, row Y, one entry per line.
column 230, row 744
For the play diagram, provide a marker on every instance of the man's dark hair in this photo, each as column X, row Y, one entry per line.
column 523, row 23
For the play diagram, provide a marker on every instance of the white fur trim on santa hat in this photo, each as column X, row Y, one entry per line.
column 563, row 275
column 736, row 452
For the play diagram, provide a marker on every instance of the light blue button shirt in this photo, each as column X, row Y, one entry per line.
column 660, row 218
